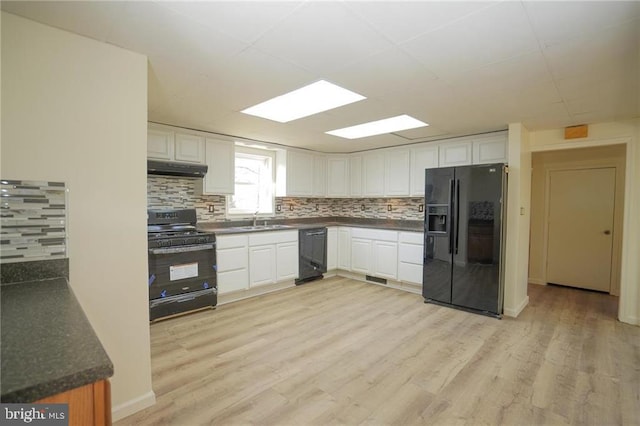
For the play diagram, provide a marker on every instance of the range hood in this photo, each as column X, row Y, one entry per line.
column 170, row 168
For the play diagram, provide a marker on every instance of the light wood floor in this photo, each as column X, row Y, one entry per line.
column 339, row 351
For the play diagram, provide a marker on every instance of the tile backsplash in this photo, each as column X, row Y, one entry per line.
column 33, row 221
column 172, row 192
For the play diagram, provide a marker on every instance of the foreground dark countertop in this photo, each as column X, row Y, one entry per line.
column 237, row 227
column 48, row 345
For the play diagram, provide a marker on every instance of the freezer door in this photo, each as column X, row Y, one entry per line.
column 477, row 240
column 438, row 236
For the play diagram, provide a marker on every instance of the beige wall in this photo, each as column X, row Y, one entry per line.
column 543, row 162
column 627, row 133
column 75, row 110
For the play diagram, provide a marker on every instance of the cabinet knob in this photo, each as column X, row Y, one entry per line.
column 607, row 232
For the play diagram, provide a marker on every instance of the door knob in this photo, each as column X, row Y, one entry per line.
column 607, row 232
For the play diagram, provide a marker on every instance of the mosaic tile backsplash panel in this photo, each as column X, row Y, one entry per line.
column 33, row 221
column 171, row 192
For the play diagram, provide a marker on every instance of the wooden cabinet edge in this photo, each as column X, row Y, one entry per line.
column 92, row 401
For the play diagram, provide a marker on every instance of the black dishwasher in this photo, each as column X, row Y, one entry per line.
column 313, row 254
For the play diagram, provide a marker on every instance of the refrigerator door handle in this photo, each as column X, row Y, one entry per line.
column 450, row 215
column 457, row 213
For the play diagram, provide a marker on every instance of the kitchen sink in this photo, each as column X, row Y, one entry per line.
column 261, row 227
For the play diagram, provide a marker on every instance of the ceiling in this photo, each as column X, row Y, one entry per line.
column 463, row 67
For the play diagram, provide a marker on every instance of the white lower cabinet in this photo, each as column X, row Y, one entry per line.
column 287, row 261
column 344, row 248
column 385, row 259
column 374, row 252
column 410, row 257
column 233, row 263
column 360, row 255
column 273, row 257
column 332, row 248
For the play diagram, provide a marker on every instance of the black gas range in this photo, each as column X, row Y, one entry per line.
column 182, row 264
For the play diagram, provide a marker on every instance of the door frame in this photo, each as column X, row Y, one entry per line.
column 626, row 305
column 617, row 229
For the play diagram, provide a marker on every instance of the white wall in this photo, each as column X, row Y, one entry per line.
column 601, row 134
column 518, row 218
column 75, row 110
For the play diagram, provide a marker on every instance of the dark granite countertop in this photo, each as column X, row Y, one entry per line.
column 48, row 345
column 238, row 227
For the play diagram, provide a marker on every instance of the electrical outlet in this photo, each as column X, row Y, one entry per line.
column 388, row 207
column 421, row 208
column 290, row 207
column 211, row 208
column 279, row 208
column 317, row 207
column 362, row 207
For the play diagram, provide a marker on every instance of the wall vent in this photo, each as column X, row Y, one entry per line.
column 376, row 279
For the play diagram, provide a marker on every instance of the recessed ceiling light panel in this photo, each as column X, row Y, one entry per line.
column 387, row 125
column 308, row 100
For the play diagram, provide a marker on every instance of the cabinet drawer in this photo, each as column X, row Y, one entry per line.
column 411, row 237
column 231, row 241
column 262, row 238
column 233, row 258
column 410, row 253
column 374, row 234
column 409, row 272
column 233, row 280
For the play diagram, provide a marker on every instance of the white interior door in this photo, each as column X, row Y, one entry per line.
column 580, row 227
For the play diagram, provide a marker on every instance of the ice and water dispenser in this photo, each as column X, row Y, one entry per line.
column 437, row 217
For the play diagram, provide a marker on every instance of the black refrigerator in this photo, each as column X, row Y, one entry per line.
column 464, row 237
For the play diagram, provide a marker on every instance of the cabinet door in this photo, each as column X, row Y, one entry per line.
column 189, row 148
column 299, row 174
column 455, row 154
column 337, row 177
column 220, row 177
column 287, row 261
column 344, row 248
column 319, row 176
column 361, row 255
column 397, row 172
column 332, row 248
column 373, row 174
column 422, row 158
column 385, row 259
column 159, row 144
column 262, row 265
column 355, row 176
column 490, row 150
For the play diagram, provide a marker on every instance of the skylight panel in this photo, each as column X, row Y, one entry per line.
column 308, row 100
column 378, row 127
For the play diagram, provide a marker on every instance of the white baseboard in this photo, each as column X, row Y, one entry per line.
column 133, row 406
column 515, row 312
column 538, row 281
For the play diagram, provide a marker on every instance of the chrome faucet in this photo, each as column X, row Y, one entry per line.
column 255, row 218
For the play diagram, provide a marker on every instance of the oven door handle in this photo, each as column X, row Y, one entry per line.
column 182, row 249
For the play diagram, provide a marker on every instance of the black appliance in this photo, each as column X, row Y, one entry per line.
column 170, row 168
column 463, row 253
column 182, row 264
column 312, row 245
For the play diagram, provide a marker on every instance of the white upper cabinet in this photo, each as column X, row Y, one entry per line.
column 220, row 159
column 338, row 176
column 300, row 174
column 422, row 158
column 319, row 176
column 189, row 148
column 490, row 150
column 373, row 174
column 397, row 172
column 455, row 154
column 160, row 144
column 355, row 176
